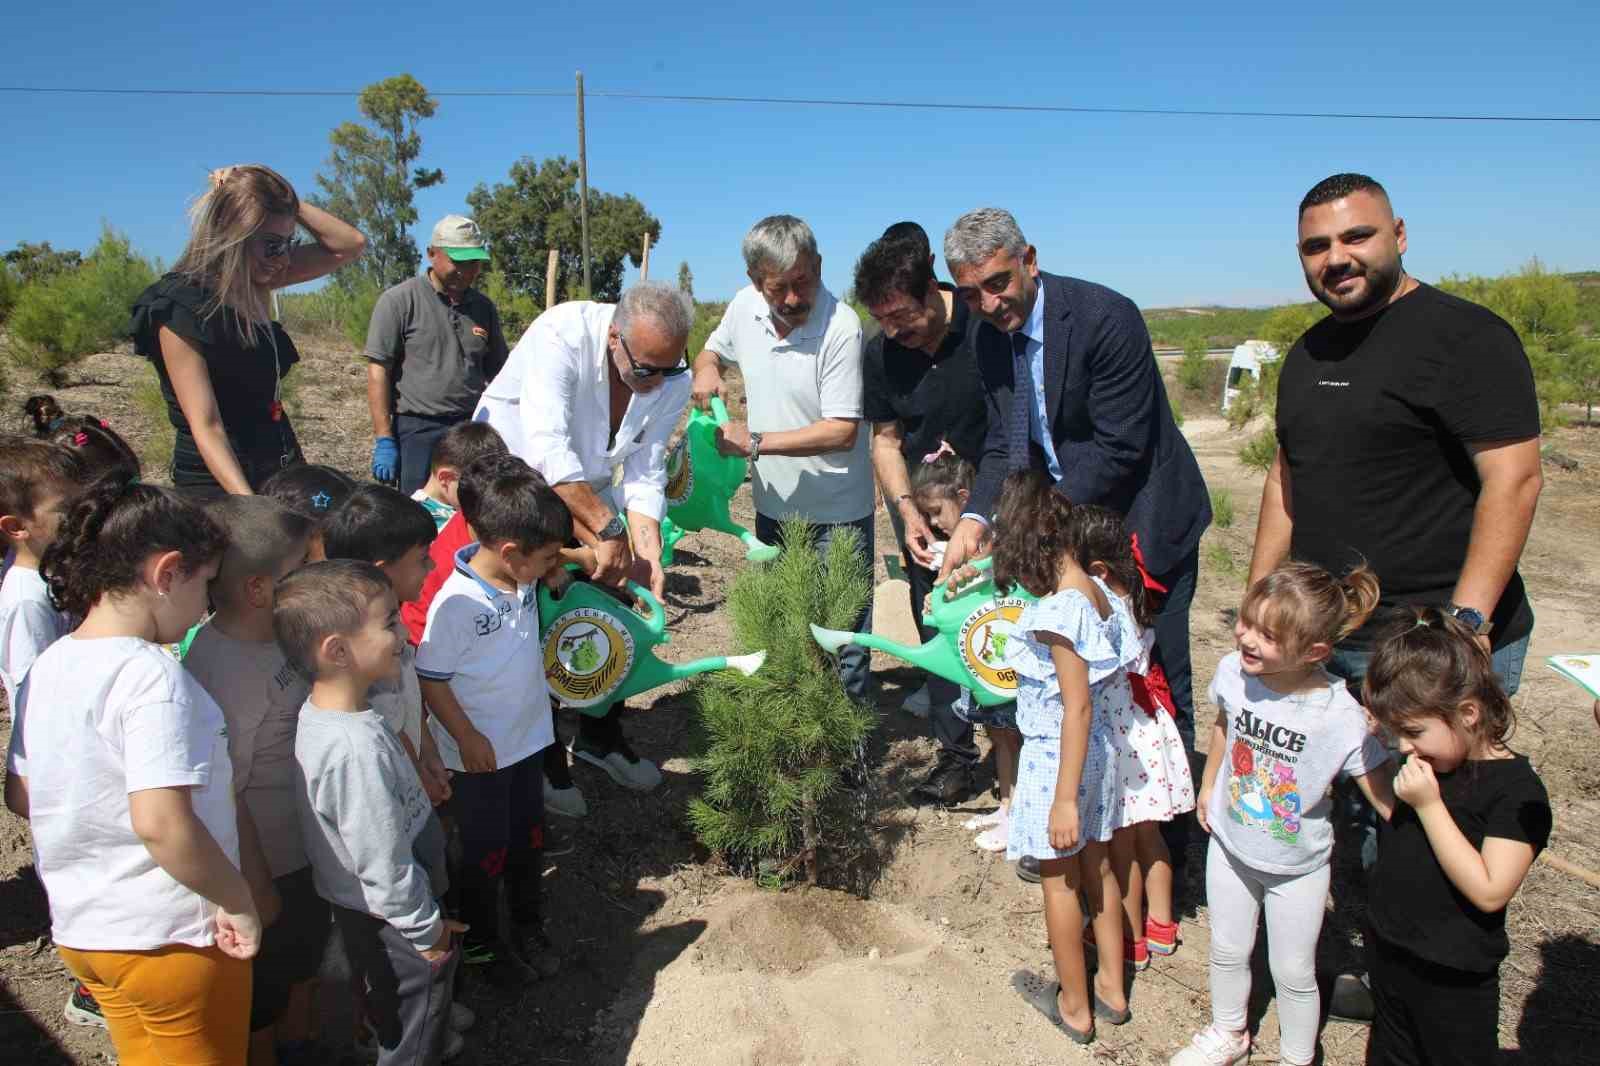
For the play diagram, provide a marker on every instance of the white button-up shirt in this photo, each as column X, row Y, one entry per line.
column 552, row 404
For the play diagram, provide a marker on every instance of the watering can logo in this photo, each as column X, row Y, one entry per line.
column 981, row 640
column 701, row 482
column 597, row 649
column 586, row 656
column 970, row 649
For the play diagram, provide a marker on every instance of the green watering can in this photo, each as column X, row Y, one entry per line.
column 969, row 649
column 700, row 484
column 597, row 649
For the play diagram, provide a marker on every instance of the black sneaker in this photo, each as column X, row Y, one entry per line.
column 1028, row 869
column 537, row 952
column 1351, row 1000
column 950, row 782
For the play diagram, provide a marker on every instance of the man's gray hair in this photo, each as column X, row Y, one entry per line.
column 977, row 235
column 777, row 243
column 668, row 305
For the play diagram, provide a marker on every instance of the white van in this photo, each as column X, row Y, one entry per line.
column 1244, row 365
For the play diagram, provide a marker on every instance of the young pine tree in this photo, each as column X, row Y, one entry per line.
column 777, row 742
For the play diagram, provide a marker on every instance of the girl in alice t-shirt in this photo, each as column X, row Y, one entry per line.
column 120, row 762
column 1285, row 730
column 1070, row 651
column 1471, row 815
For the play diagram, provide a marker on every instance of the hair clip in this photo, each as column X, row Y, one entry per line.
column 1423, row 623
column 104, row 424
column 943, row 450
column 80, row 438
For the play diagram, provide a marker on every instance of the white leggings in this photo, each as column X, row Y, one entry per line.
column 1295, row 904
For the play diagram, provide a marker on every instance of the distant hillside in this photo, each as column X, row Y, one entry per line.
column 1224, row 327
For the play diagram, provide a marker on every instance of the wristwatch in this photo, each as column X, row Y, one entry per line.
column 755, row 446
column 613, row 529
column 1473, row 618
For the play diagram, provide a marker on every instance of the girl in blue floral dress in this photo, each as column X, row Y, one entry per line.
column 1070, row 651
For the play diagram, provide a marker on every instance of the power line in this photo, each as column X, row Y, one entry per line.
column 906, row 105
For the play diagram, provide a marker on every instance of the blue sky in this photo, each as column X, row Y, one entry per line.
column 1169, row 210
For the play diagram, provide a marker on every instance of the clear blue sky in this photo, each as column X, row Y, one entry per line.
column 1169, row 210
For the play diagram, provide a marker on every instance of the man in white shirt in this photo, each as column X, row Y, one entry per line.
column 588, row 398
column 799, row 349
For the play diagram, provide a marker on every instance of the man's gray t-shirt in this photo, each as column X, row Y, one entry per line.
column 440, row 355
column 1271, row 800
column 791, row 382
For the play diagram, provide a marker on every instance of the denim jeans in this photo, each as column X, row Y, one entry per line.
column 1351, row 665
column 855, row 662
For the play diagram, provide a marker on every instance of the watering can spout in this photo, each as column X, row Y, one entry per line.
column 925, row 656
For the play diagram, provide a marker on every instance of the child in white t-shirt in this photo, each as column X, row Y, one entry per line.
column 1285, row 730
column 37, row 483
column 362, row 808
column 120, row 761
column 460, row 445
column 236, row 658
column 483, row 677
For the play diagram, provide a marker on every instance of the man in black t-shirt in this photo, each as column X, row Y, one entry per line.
column 1408, row 435
column 1408, row 438
column 920, row 391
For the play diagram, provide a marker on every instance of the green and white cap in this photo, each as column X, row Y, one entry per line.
column 460, row 238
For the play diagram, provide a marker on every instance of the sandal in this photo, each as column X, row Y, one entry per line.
column 1043, row 996
column 1116, row 1017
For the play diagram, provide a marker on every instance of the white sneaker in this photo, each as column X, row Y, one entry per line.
column 565, row 801
column 995, row 837
column 462, row 1017
column 1213, row 1047
column 919, row 704
column 622, row 766
column 453, row 1044
column 979, row 822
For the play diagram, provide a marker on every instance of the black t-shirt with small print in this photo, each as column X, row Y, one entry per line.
column 1412, row 904
column 1376, row 418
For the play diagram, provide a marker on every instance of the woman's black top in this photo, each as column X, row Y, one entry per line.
column 243, row 377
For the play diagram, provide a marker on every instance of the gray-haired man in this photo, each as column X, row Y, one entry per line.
column 589, row 390
column 799, row 349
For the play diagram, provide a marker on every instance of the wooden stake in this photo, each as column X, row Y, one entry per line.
column 550, row 272
column 644, row 260
column 583, row 191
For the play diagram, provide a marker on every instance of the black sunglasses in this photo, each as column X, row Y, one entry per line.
column 642, row 371
column 273, row 246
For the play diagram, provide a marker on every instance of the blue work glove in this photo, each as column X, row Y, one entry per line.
column 386, row 460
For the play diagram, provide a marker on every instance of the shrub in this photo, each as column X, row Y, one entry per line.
column 1222, row 507
column 776, row 742
column 1175, row 401
column 339, row 311
column 1219, row 559
column 70, row 314
column 517, row 309
column 1192, row 367
column 1260, row 450
column 10, row 286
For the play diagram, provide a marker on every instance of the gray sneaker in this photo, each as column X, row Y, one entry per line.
column 620, row 764
column 564, row 801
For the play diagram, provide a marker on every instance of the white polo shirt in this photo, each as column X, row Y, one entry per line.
column 552, row 404
column 484, row 642
column 791, row 382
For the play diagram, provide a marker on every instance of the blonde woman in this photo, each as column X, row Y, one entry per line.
column 207, row 326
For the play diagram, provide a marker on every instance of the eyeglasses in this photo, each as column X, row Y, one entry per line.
column 274, row 246
column 642, row 371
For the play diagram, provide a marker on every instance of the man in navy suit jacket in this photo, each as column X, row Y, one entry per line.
column 1096, row 417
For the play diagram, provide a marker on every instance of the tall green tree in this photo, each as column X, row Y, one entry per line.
column 686, row 279
column 372, row 179
column 35, row 262
column 537, row 210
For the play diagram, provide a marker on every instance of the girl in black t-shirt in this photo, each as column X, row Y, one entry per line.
column 1471, row 818
column 207, row 326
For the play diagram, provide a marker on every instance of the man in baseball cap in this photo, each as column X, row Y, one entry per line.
column 433, row 344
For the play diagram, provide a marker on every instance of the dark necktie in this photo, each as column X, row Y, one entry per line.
column 1021, row 402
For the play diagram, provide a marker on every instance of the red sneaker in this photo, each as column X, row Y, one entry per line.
column 1162, row 936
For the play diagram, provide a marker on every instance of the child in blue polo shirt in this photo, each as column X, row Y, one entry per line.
column 483, row 677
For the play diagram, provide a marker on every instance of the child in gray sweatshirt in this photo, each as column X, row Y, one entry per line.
column 362, row 806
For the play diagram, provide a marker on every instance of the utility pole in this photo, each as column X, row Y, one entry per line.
column 644, row 259
column 550, row 279
column 583, row 191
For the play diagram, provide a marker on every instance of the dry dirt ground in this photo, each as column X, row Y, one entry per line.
column 669, row 961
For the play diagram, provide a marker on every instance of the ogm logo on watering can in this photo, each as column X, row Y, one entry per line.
column 982, row 641
column 587, row 656
column 680, row 473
